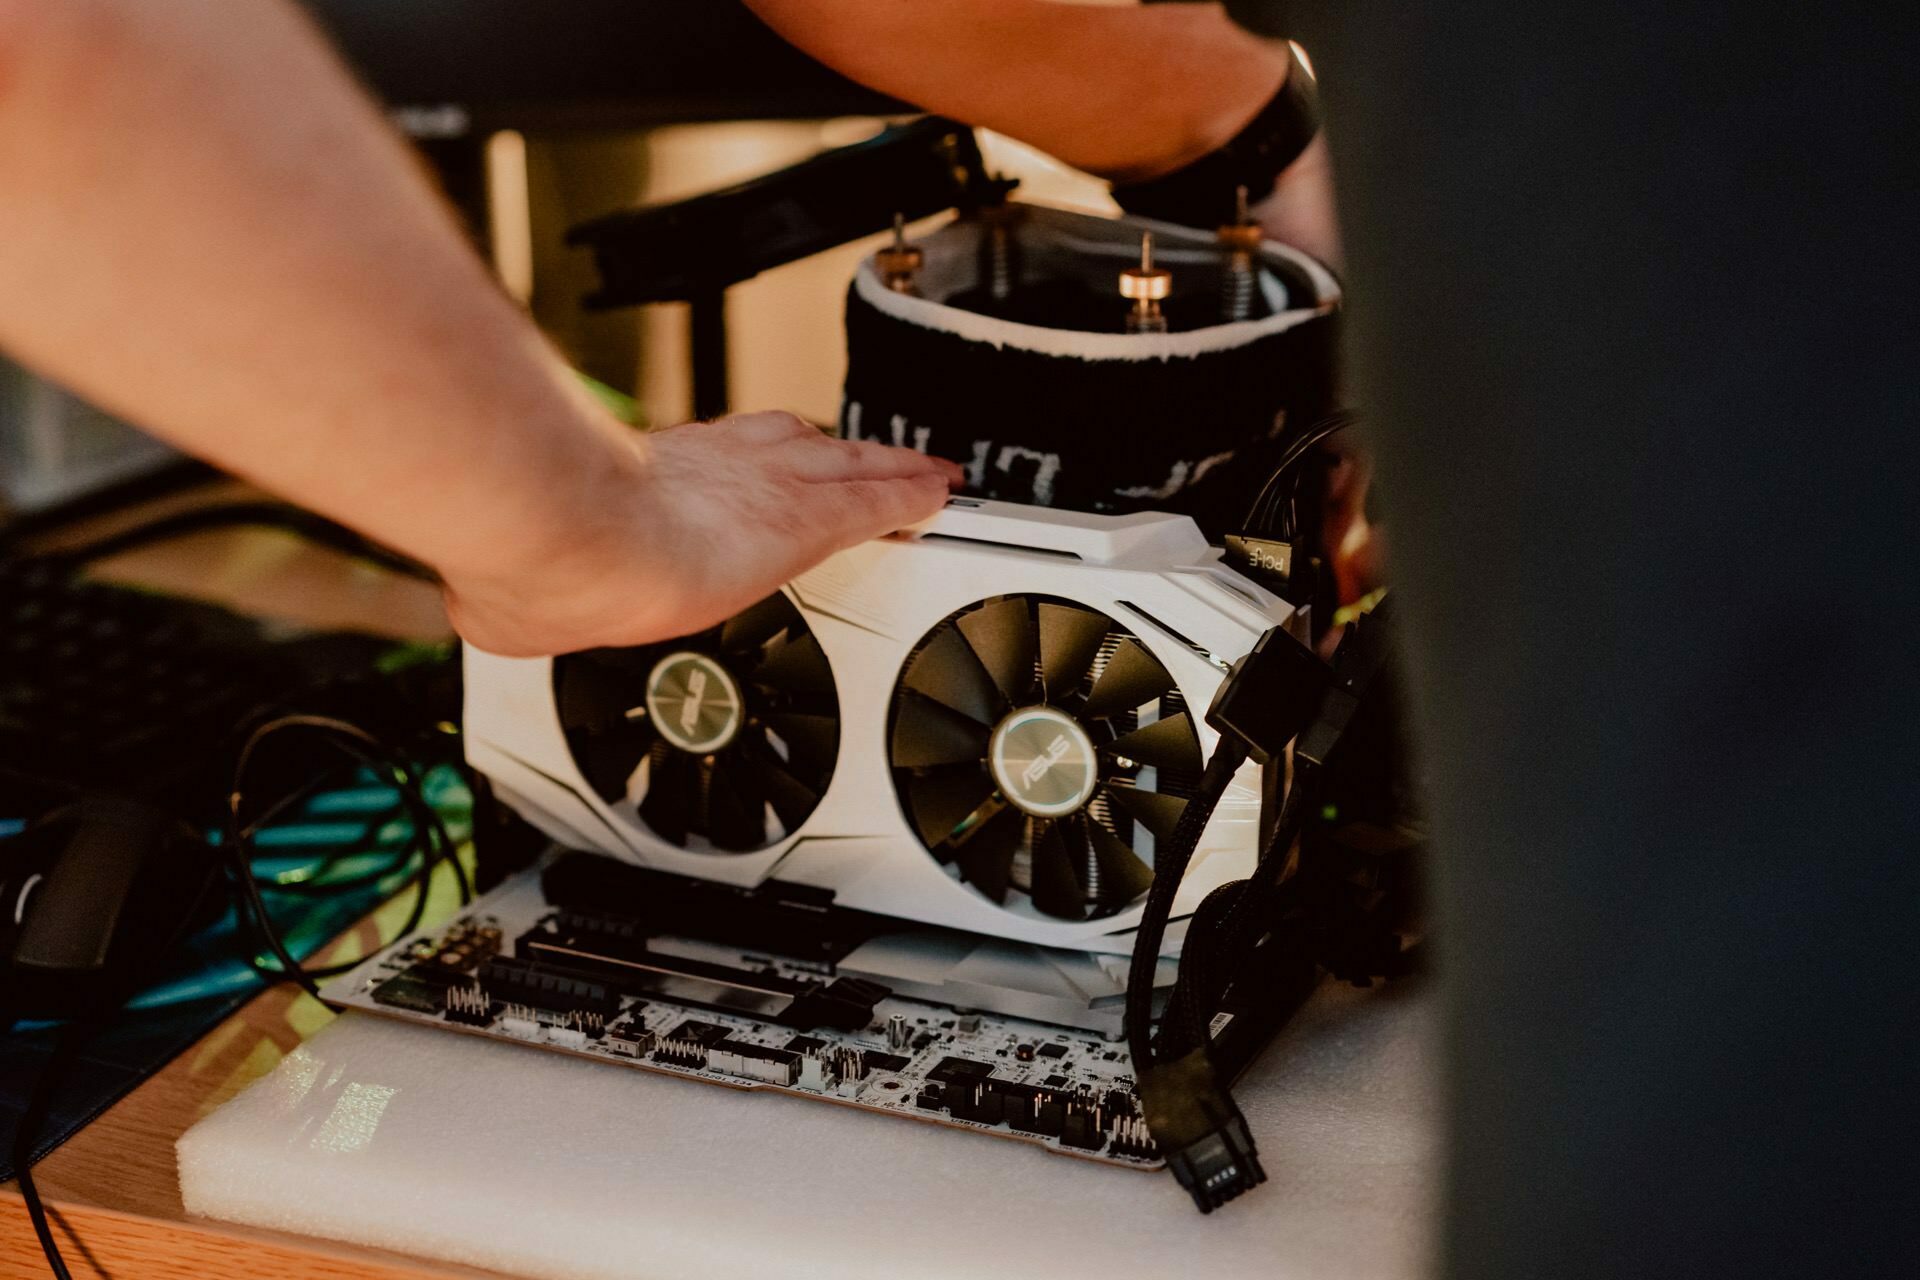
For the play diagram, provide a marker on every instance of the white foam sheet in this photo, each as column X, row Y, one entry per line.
column 542, row 1165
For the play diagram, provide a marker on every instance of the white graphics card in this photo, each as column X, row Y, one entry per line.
column 986, row 723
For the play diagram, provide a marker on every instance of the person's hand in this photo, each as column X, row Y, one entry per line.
column 693, row 524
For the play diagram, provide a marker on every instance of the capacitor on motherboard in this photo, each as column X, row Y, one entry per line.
column 1241, row 241
column 1145, row 285
column 898, row 1032
column 900, row 262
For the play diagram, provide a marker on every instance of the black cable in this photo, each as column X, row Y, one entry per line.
column 1226, row 925
column 68, row 1043
column 1192, row 1118
column 1272, row 513
column 306, row 791
column 1310, row 893
column 429, row 840
column 66, row 1048
column 1170, row 867
column 1198, row 974
column 1271, row 870
column 430, row 858
column 316, row 883
column 451, row 852
column 310, row 978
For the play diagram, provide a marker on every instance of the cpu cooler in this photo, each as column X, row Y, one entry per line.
column 987, row 723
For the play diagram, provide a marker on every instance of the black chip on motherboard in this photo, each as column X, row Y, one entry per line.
column 951, row 1070
column 758, row 1052
column 805, row 1044
column 698, row 1032
column 884, row 1061
column 405, row 991
column 1055, row 1050
column 434, row 975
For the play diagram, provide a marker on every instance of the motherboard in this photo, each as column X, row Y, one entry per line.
column 519, row 968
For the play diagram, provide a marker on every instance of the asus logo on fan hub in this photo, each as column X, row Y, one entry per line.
column 694, row 702
column 1043, row 762
column 1037, row 769
column 690, row 709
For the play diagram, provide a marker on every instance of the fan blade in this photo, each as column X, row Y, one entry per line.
column 1056, row 887
column 948, row 672
column 757, row 624
column 632, row 660
column 591, row 694
column 1165, row 744
column 1001, row 635
column 812, row 742
column 672, row 791
column 1069, row 639
column 986, row 855
column 608, row 758
column 796, row 665
column 736, row 805
column 1133, row 676
column 1124, row 876
column 941, row 801
column 1157, row 813
column 793, row 801
column 926, row 733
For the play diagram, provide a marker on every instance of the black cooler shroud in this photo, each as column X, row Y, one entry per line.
column 1044, row 398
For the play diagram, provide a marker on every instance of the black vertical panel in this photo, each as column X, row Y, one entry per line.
column 1632, row 297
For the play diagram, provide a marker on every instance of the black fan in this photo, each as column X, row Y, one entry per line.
column 1018, row 756
column 730, row 723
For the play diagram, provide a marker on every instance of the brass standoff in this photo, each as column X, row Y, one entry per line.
column 1241, row 241
column 900, row 262
column 1145, row 285
column 1000, row 263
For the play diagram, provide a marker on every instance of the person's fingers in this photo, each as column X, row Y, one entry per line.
column 802, row 450
column 862, row 509
column 829, row 460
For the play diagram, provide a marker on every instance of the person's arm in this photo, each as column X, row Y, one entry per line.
column 1125, row 92
column 207, row 229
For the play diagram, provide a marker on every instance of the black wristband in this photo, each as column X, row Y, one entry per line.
column 1201, row 194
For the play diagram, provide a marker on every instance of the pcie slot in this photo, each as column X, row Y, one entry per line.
column 844, row 1003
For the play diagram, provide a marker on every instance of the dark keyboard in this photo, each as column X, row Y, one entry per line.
column 108, row 686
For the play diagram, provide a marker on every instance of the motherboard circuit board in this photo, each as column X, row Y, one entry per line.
column 514, row 967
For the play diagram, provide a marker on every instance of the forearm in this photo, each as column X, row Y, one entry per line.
column 1124, row 92
column 206, row 228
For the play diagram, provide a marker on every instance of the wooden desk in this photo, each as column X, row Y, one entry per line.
column 114, row 1187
